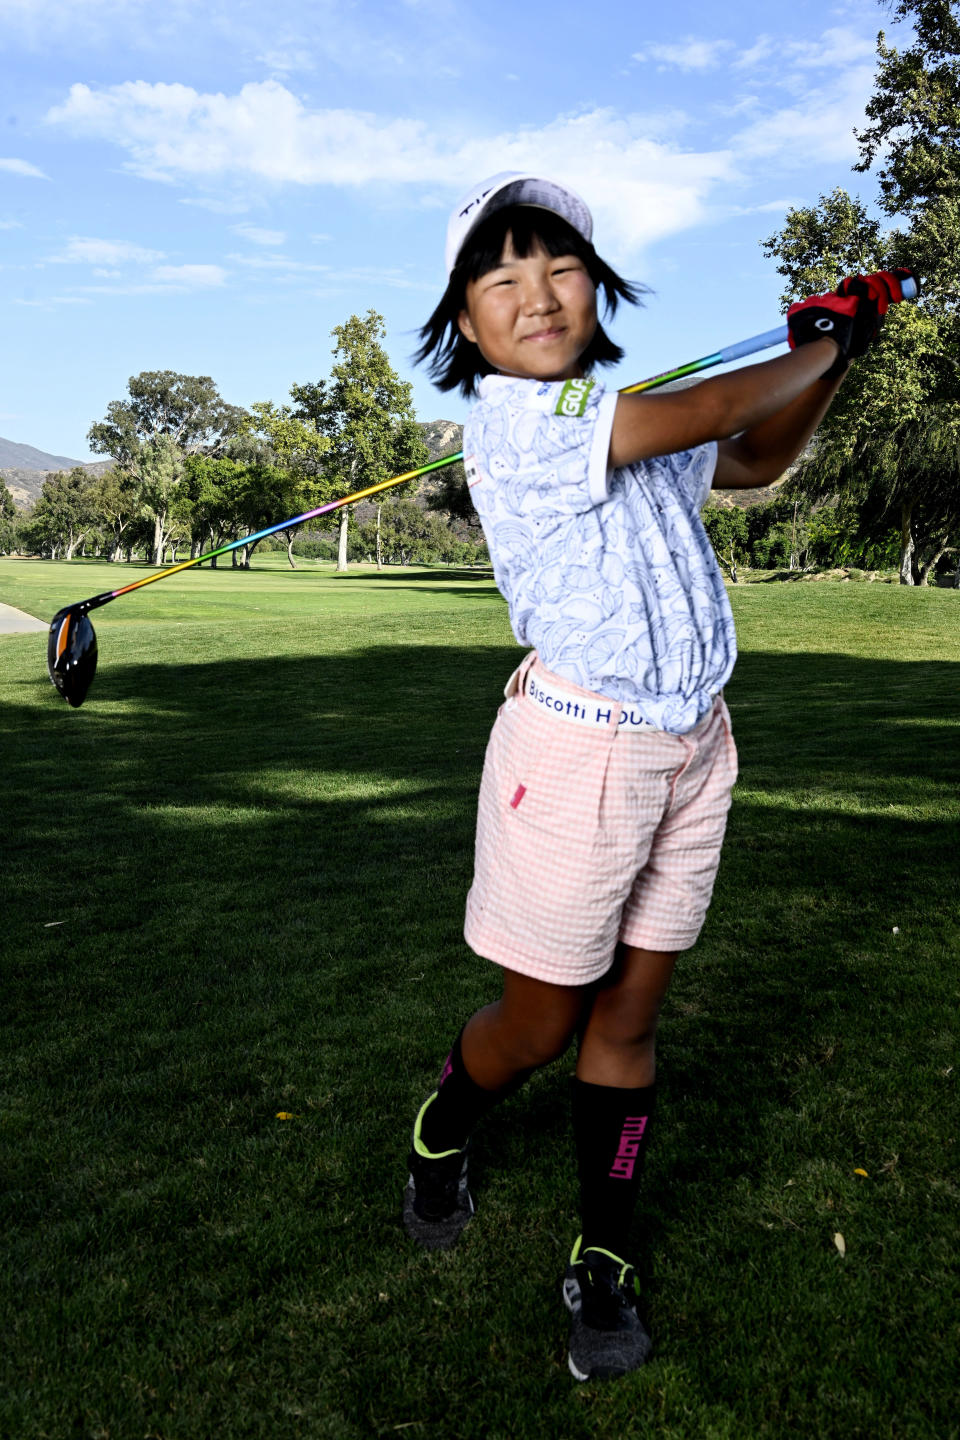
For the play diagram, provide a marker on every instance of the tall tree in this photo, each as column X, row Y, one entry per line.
column 114, row 496
column 64, row 513
column 166, row 417
column 914, row 134
column 891, row 441
column 8, row 519
column 296, row 447
column 366, row 413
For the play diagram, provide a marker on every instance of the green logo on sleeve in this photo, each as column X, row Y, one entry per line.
column 573, row 398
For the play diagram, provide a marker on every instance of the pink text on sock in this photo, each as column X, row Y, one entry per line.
column 629, row 1147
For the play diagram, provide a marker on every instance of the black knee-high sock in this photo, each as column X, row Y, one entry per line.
column 611, row 1128
column 460, row 1103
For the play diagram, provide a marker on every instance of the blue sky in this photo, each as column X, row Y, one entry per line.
column 211, row 191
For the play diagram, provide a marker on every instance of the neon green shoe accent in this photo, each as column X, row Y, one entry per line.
column 598, row 1250
column 625, row 1265
column 418, row 1144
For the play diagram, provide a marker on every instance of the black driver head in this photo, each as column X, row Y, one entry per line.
column 72, row 654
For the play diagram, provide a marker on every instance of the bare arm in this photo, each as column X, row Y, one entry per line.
column 761, row 454
column 746, row 400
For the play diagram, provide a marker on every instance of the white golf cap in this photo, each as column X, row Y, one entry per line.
column 512, row 187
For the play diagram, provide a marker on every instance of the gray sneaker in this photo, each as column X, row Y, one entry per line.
column 607, row 1338
column 437, row 1203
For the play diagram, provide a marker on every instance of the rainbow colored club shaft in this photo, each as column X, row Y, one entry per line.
column 720, row 357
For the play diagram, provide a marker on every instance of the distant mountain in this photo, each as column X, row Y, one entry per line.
column 25, row 457
column 25, row 485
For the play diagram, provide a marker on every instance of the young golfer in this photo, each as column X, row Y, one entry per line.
column 608, row 773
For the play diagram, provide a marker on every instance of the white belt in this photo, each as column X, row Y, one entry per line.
column 590, row 712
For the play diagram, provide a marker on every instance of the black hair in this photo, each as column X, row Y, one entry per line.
column 453, row 359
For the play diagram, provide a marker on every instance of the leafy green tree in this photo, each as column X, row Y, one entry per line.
column 451, row 496
column 914, row 133
column 114, row 498
column 729, row 536
column 296, row 446
column 365, row 411
column 8, row 520
column 410, row 535
column 149, row 435
column 64, row 513
column 891, row 441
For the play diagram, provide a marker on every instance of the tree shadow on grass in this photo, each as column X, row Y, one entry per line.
column 236, row 888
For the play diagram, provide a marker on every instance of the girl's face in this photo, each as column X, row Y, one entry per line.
column 533, row 316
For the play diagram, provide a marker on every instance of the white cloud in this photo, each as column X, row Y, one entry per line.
column 22, row 167
column 192, row 277
column 149, row 277
column 84, row 251
column 820, row 129
column 643, row 187
column 218, row 205
column 275, row 263
column 11, row 225
column 837, row 47
column 256, row 236
column 689, row 54
column 286, row 61
column 53, row 300
column 762, row 49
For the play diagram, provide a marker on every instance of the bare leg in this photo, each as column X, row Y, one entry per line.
column 530, row 1025
column 618, row 1042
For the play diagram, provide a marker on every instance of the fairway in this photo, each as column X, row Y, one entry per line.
column 233, row 888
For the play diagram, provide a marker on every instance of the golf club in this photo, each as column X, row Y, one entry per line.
column 72, row 643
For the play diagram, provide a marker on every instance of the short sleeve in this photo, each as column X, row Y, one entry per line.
column 600, row 471
column 543, row 445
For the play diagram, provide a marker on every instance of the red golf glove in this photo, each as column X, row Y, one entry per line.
column 877, row 292
column 826, row 317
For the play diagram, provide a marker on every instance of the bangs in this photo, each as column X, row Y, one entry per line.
column 530, row 229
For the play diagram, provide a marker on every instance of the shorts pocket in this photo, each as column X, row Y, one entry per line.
column 553, row 778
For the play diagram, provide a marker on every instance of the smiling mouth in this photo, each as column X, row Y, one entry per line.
column 543, row 335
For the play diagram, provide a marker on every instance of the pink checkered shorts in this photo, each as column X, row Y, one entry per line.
column 588, row 838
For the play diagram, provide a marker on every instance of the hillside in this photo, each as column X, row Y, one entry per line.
column 14, row 456
column 25, row 483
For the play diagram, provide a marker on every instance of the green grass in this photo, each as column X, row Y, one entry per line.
column 233, row 886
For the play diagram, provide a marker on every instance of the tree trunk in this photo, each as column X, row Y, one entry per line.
column 928, row 566
column 247, row 552
column 290, row 561
column 379, row 547
column 342, row 545
column 906, row 543
column 733, row 566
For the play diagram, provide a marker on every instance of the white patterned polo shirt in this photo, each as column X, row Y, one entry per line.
column 609, row 575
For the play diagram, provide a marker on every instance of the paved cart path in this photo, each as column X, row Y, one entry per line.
column 18, row 622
